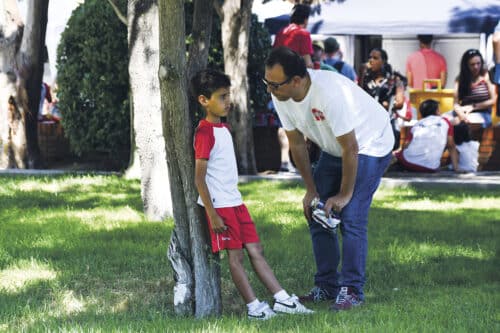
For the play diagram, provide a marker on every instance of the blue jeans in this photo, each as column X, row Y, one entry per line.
column 354, row 216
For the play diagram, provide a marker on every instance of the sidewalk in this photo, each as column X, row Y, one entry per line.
column 445, row 179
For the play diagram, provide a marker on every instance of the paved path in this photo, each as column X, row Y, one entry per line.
column 486, row 179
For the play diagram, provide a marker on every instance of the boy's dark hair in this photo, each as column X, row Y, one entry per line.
column 428, row 107
column 206, row 81
column 331, row 45
column 461, row 133
column 425, row 39
column 293, row 64
column 300, row 13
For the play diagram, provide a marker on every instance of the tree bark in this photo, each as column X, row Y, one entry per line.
column 143, row 40
column 236, row 18
column 31, row 63
column 196, row 268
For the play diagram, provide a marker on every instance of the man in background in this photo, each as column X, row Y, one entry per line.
column 425, row 64
column 333, row 57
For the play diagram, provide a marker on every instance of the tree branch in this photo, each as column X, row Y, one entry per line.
column 121, row 17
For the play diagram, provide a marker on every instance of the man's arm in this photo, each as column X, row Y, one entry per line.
column 308, row 60
column 303, row 164
column 349, row 146
column 443, row 77
column 200, row 172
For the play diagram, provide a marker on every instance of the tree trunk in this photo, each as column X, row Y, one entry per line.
column 12, row 103
column 196, row 268
column 143, row 40
column 31, row 62
column 235, row 34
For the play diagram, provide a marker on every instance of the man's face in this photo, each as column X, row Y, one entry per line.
column 278, row 83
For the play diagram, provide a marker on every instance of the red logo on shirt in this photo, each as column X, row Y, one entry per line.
column 318, row 115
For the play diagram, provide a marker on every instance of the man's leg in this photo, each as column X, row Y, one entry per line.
column 327, row 177
column 355, row 222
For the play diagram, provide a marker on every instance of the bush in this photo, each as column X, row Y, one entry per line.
column 93, row 81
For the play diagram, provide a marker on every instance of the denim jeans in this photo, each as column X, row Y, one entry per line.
column 354, row 216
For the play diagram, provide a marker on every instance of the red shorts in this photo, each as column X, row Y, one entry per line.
column 240, row 229
column 410, row 166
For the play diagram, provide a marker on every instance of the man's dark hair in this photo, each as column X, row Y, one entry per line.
column 428, row 107
column 206, row 81
column 425, row 39
column 293, row 64
column 300, row 13
column 331, row 45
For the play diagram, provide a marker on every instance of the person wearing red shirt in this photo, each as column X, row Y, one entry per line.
column 295, row 36
column 425, row 64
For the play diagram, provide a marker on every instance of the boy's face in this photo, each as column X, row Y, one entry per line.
column 218, row 105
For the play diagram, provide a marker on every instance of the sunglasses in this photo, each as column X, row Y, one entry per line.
column 473, row 52
column 274, row 85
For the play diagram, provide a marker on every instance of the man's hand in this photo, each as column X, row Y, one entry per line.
column 337, row 203
column 218, row 225
column 306, row 203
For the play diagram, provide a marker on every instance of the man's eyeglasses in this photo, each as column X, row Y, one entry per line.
column 274, row 85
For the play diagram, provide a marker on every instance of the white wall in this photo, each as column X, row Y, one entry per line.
column 451, row 47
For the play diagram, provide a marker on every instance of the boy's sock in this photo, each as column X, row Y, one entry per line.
column 252, row 306
column 281, row 295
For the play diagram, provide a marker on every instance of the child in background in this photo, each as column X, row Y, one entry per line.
column 230, row 224
column 468, row 150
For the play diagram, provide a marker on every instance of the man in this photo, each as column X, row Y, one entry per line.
column 355, row 136
column 425, row 64
column 295, row 36
column 333, row 57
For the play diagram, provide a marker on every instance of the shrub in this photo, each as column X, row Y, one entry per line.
column 93, row 81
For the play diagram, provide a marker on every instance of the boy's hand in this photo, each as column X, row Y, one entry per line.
column 218, row 225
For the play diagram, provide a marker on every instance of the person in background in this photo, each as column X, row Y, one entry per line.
column 319, row 56
column 295, row 36
column 425, row 63
column 387, row 88
column 427, row 141
column 496, row 56
column 216, row 178
column 474, row 93
column 468, row 149
column 333, row 57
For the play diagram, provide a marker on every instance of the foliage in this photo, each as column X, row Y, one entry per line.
column 93, row 80
column 77, row 255
column 258, row 49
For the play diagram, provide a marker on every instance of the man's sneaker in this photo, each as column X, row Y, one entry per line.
column 291, row 305
column 263, row 312
column 346, row 300
column 316, row 295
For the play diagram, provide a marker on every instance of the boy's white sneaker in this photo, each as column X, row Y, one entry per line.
column 291, row 305
column 263, row 312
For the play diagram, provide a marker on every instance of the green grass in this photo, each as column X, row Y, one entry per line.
column 77, row 255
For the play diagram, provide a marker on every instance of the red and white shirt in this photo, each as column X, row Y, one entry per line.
column 214, row 143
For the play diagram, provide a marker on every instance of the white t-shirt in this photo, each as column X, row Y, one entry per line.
column 468, row 154
column 334, row 106
column 429, row 136
column 214, row 143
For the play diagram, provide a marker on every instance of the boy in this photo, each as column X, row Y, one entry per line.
column 428, row 139
column 216, row 178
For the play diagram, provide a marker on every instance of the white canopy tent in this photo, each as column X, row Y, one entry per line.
column 390, row 17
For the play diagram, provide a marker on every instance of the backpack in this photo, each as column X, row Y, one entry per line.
column 338, row 66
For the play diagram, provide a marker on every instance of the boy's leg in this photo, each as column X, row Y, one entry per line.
column 239, row 275
column 261, row 267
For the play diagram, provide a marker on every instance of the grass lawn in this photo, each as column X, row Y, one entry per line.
column 77, row 255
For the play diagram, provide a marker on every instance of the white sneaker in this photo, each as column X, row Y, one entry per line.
column 291, row 305
column 263, row 312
